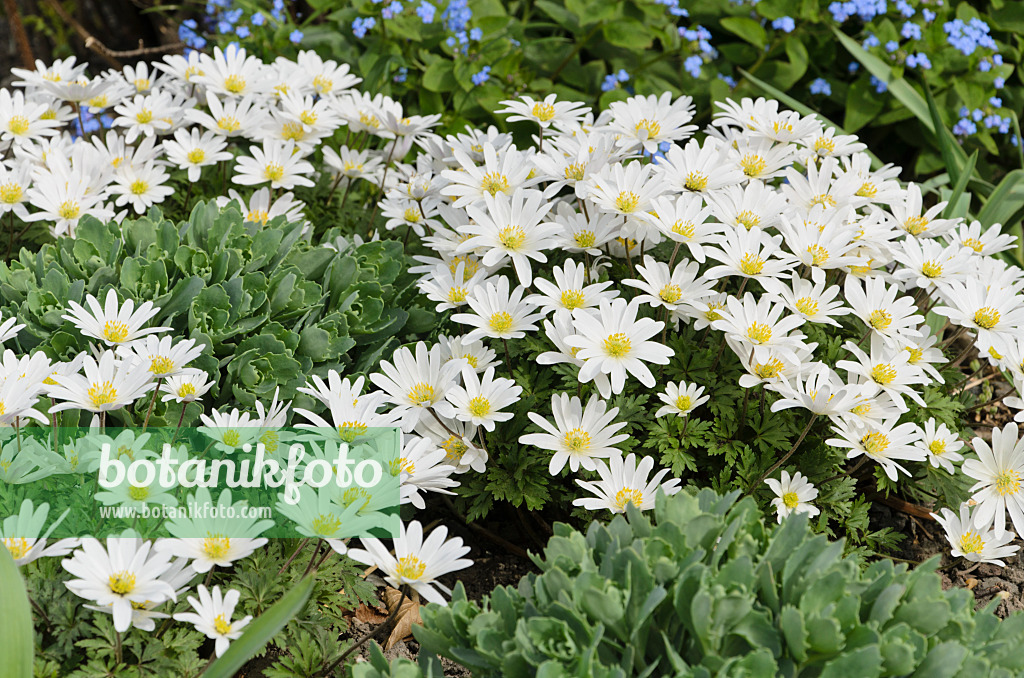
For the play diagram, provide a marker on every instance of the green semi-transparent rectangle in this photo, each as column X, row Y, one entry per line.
column 200, row 482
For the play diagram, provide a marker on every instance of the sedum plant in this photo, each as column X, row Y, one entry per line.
column 709, row 588
column 270, row 307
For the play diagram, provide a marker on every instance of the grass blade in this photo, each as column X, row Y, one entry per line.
column 800, row 108
column 953, row 155
column 961, row 186
column 259, row 632
column 18, row 642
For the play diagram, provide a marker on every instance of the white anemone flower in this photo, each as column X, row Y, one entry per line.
column 793, row 495
column 970, row 540
column 212, row 616
column 623, row 481
column 998, row 469
column 579, row 435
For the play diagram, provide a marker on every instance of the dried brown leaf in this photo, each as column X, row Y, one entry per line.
column 408, row 614
column 369, row 615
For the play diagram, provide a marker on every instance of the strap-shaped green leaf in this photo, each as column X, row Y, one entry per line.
column 17, row 644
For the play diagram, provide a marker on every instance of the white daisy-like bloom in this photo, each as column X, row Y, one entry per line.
column 415, row 382
column 112, row 323
column 626, row 190
column 759, row 158
column 512, row 227
column 187, row 386
column 9, row 329
column 980, row 240
column 579, row 435
column 146, row 115
column 928, row 262
column 700, row 168
column 615, row 342
column 681, row 399
column 422, row 466
column 999, row 468
column 941, row 445
column 820, row 391
column 991, row 311
column 769, row 366
column 417, row 562
column 457, row 442
column 327, row 78
column 497, row 313
column 748, row 253
column 785, row 126
column 570, row 291
column 351, row 163
column 229, row 430
column 212, row 616
column 887, row 313
column 755, row 205
column 144, row 615
column 23, row 535
column 212, row 551
column 14, row 185
column 230, row 118
column 558, row 330
column 451, row 289
column 480, row 400
column 258, row 209
column 64, row 201
column 572, row 160
column 231, row 72
column 884, row 442
column 885, row 369
column 623, row 481
column 684, row 219
column 822, row 239
column 501, row 172
column 743, row 114
column 875, row 187
column 108, row 384
column 643, row 123
column 670, row 289
column 473, row 351
column 811, row 299
column 793, row 495
column 970, row 540
column 276, row 162
column 906, row 214
column 126, row 571
column 21, row 120
column 192, row 151
column 758, row 322
column 545, row 113
column 818, row 187
column 827, row 144
column 140, row 186
column 582, row 233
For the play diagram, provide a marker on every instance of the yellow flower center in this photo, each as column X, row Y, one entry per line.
column 825, row 200
column 751, row 264
column 512, row 237
column 410, row 567
column 356, row 494
column 867, row 190
column 577, row 440
column 270, row 440
column 69, row 209
column 617, row 345
column 790, row 500
column 543, row 112
column 883, row 373
column 121, row 583
column 684, row 403
column 138, row 493
column 986, row 318
column 102, row 393
column 215, row 547
column 139, row 187
column 747, row 219
column 369, row 120
column 18, row 125
column 228, row 123
column 915, row 354
column 457, row 295
column 974, row 244
column 412, row 215
column 1007, row 482
column 627, row 202
column 273, row 171
column 141, row 84
column 234, row 83
column 572, row 299
column 350, row 430
column 308, row 117
column 161, row 365
column 421, row 393
column 683, row 228
column 915, row 225
column 18, row 546
column 325, row 525
column 652, row 127
column 479, row 406
column 221, row 625
column 187, row 389
column 196, row 156
column 696, row 181
column 671, row 293
column 753, row 165
column 454, row 448
column 585, row 239
column 769, row 370
column 937, row 447
column 501, row 322
column 713, row 311
column 144, row 116
column 10, row 193
column 782, row 127
column 628, row 495
column 879, row 319
column 293, row 130
column 819, row 255
column 875, row 443
column 826, row 144
column 494, row 183
column 931, row 269
column 970, row 542
column 258, row 216
column 807, row 306
column 759, row 333
column 575, row 171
